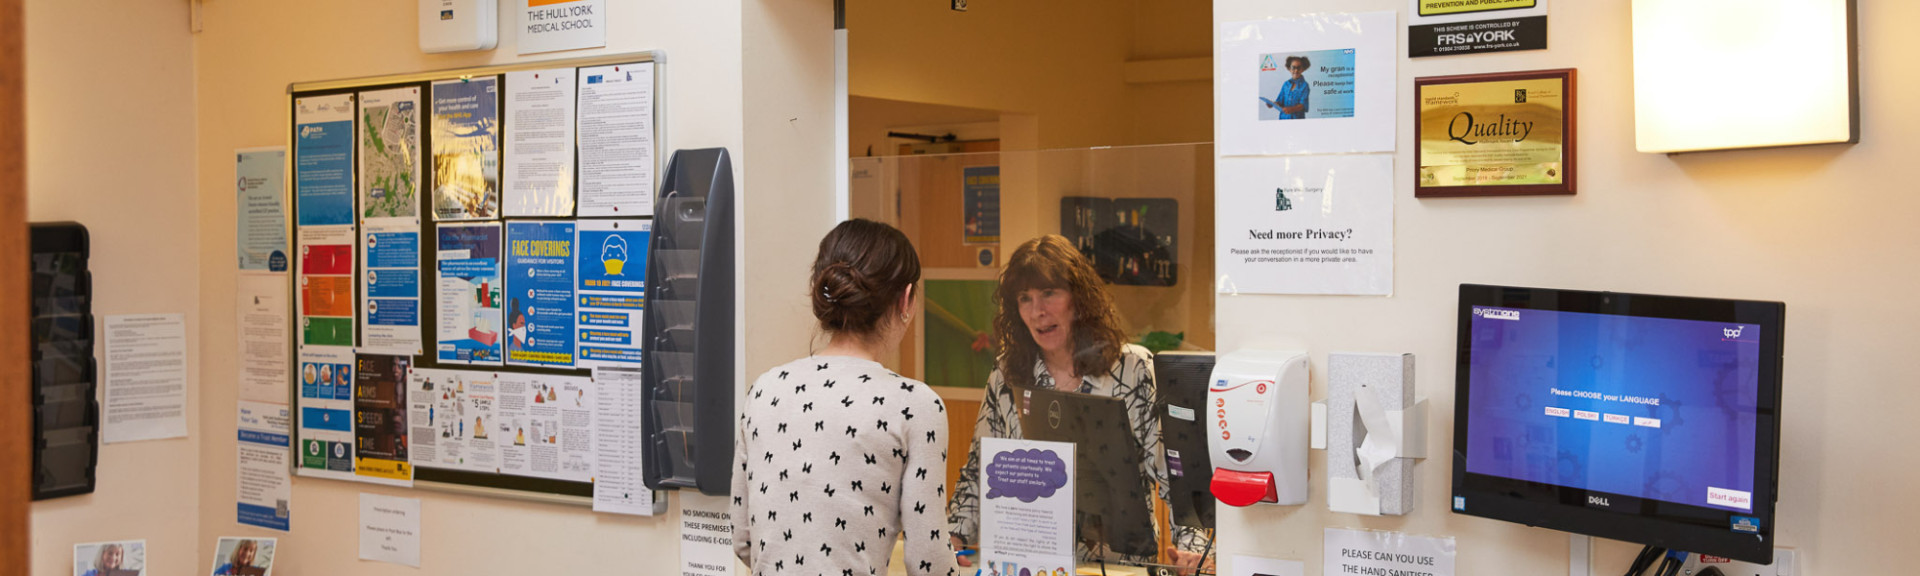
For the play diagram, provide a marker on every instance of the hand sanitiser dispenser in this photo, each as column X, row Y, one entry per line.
column 1257, row 407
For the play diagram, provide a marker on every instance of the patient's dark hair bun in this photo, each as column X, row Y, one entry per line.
column 861, row 269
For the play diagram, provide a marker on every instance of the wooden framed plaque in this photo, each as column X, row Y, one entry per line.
column 1504, row 134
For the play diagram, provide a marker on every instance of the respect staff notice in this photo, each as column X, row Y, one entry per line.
column 1306, row 225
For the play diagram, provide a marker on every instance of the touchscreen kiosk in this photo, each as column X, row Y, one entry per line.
column 1650, row 419
column 1110, row 500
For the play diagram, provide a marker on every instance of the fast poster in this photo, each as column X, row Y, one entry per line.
column 468, row 325
column 389, row 127
column 616, row 140
column 326, row 285
column 539, row 142
column 326, row 412
column 390, row 247
column 323, row 159
column 466, row 149
column 1305, row 225
column 452, row 419
column 539, row 296
column 612, row 292
column 1315, row 84
column 380, row 417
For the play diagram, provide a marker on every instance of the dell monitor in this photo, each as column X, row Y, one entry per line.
column 1110, row 496
column 1649, row 419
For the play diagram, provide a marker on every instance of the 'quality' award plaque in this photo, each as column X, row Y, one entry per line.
column 1506, row 134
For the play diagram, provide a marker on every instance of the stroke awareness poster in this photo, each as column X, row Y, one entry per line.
column 612, row 292
column 468, row 321
column 540, row 294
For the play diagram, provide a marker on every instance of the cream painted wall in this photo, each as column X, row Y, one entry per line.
column 248, row 54
column 110, row 140
column 1826, row 229
column 1060, row 61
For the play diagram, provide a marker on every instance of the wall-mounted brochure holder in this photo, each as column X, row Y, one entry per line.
column 688, row 326
column 1374, row 431
column 66, row 421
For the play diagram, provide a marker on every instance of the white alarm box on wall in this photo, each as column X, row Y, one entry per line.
column 1257, row 405
column 459, row 25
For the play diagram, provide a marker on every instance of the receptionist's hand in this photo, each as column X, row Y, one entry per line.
column 965, row 561
column 1190, row 561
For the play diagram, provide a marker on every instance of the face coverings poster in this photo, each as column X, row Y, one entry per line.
column 612, row 288
column 540, row 294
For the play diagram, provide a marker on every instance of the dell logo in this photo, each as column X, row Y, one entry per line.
column 1598, row 501
column 1733, row 332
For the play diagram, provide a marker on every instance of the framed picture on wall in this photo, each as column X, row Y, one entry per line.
column 1503, row 134
column 1131, row 241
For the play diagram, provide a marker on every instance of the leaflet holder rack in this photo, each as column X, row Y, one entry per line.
column 66, row 421
column 688, row 326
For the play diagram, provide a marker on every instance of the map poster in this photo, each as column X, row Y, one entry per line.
column 466, row 149
column 467, row 265
column 380, row 417
column 390, row 251
column 326, row 285
column 323, row 159
column 326, row 412
column 539, row 143
column 612, row 292
column 389, row 127
column 540, row 294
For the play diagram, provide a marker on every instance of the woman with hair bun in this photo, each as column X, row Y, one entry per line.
column 837, row 456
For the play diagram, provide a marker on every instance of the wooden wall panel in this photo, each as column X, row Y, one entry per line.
column 15, row 373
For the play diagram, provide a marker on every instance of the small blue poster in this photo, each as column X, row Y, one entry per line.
column 323, row 159
column 540, row 294
column 980, row 198
column 612, row 292
column 468, row 326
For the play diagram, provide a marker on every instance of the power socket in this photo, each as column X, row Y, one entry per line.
column 1785, row 563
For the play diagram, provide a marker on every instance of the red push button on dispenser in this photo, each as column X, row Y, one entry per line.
column 1243, row 488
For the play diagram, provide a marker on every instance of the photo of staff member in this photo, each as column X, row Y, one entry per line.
column 1292, row 98
column 243, row 557
column 1309, row 84
column 125, row 558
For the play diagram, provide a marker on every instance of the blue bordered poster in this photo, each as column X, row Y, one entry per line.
column 612, row 292
column 323, row 159
column 540, row 294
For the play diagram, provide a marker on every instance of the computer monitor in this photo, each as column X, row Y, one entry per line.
column 1181, row 398
column 1650, row 419
column 1110, row 496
